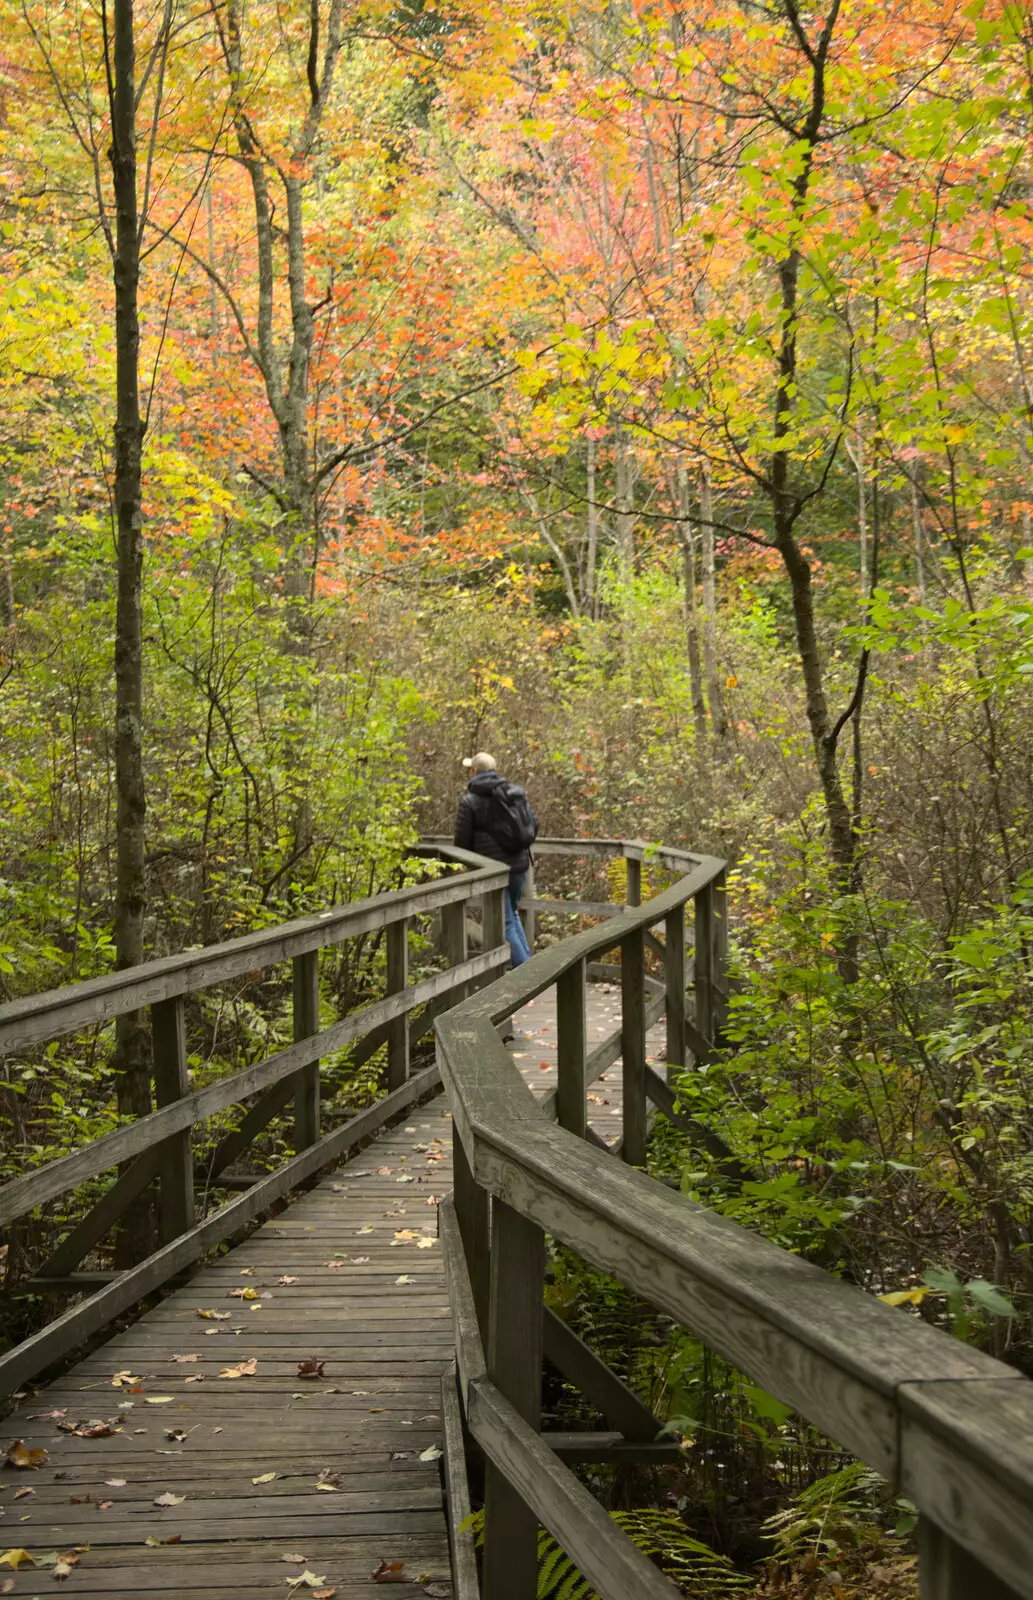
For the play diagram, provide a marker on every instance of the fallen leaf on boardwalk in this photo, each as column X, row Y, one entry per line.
column 105, row 1505
column 360, row 1261
column 543, row 1066
column 245, row 1294
column 214, row 1316
column 405, row 1278
column 432, row 1453
column 383, row 1172
column 182, row 1359
column 44, row 1416
column 391, row 1572
column 327, row 1488
column 7, row 1587
column 159, row 1400
column 267, row 1477
column 311, row 1367
column 400, row 1455
column 399, row 1211
column 125, row 1380
column 245, row 1369
column 408, row 1178
column 19, row 1455
column 328, row 1479
column 337, row 1263
column 432, row 1200
column 20, row 1494
column 287, row 1556
column 367, row 1229
column 286, row 1281
column 306, row 1580
column 246, row 1272
column 173, row 1538
column 426, row 1243
column 115, row 1483
column 195, row 1377
column 323, row 1594
column 169, row 1499
column 16, row 1559
column 177, row 1435
column 403, row 1235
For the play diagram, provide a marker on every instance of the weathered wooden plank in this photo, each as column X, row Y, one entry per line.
column 633, row 1048
column 578, row 908
column 676, row 1051
column 967, row 1463
column 36, row 1018
column 621, row 1407
column 171, row 1084
column 305, row 986
column 613, row 1448
column 397, row 982
column 466, row 1326
column 23, row 1194
column 609, row 1051
column 460, row 1538
column 515, row 1366
column 550, row 1493
column 948, row 1571
column 633, row 878
column 66, row 1331
column 571, row 1048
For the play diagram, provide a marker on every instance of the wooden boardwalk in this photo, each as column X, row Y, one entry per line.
column 230, row 1470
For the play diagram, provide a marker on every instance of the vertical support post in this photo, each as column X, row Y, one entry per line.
column 674, row 981
column 720, row 967
column 397, row 983
column 514, row 1358
column 946, row 1571
column 527, row 912
column 473, row 1214
column 453, row 932
column 306, row 1023
column 493, row 918
column 176, row 1171
column 633, row 1046
column 704, row 961
column 633, row 891
column 571, row 1050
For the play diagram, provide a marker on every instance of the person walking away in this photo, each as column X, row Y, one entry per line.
column 495, row 819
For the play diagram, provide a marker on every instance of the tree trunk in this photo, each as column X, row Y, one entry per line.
column 132, row 1041
column 592, row 534
column 687, row 540
column 715, row 695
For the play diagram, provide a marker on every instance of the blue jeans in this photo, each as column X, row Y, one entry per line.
column 519, row 949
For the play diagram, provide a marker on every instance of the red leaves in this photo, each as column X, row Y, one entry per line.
column 311, row 1367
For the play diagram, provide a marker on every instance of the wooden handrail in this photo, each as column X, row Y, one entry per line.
column 951, row 1426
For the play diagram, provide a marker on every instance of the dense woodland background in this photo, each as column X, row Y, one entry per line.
column 640, row 391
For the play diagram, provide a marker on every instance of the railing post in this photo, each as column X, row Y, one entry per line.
column 514, row 1358
column 453, row 933
column 175, row 1161
column 473, row 1214
column 704, row 961
column 571, row 1050
column 674, row 980
column 633, row 889
column 633, row 1046
column 493, row 918
column 720, row 970
column 527, row 912
column 397, row 983
column 306, row 1023
column 946, row 1571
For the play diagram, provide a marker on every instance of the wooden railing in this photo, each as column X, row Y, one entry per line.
column 952, row 1428
column 158, row 1146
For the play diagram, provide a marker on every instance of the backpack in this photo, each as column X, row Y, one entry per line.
column 511, row 822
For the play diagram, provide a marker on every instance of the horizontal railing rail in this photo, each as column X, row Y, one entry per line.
column 950, row 1426
column 157, row 1145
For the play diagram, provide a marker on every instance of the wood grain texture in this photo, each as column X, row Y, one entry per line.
column 465, row 1581
column 171, row 1083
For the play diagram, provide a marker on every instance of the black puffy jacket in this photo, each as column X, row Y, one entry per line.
column 472, row 820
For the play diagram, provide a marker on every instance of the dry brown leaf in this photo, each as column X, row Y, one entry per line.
column 426, row 1243
column 311, row 1367
column 367, row 1229
column 195, row 1377
column 245, row 1294
column 244, row 1369
column 105, row 1505
column 337, row 1263
column 115, row 1483
column 88, row 1430
column 20, row 1494
column 265, row 1477
column 214, row 1316
column 390, row 1572
column 126, row 1380
column 286, row 1281
column 182, row 1360
column 306, row 1580
column 323, row 1594
column 287, row 1556
column 158, row 1399
column 168, row 1499
column 405, row 1278
column 7, row 1586
column 177, row 1435
column 19, row 1455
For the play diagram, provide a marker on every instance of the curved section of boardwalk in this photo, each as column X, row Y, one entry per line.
column 348, row 1276
column 350, row 1488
